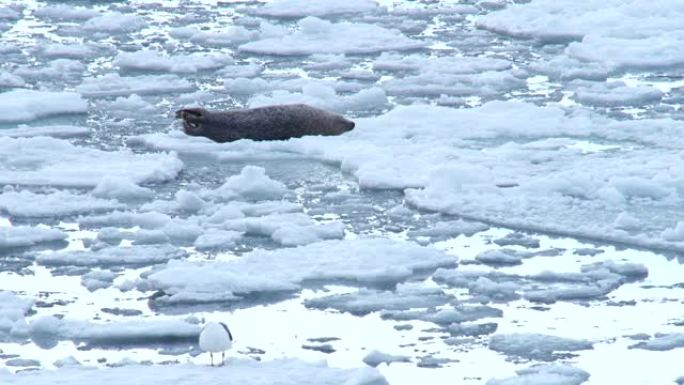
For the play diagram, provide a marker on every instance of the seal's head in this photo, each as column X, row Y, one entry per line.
column 193, row 120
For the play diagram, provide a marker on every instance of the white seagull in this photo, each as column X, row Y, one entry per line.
column 215, row 337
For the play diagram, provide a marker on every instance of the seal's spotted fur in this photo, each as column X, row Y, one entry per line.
column 263, row 123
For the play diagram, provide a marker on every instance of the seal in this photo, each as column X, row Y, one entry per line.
column 278, row 122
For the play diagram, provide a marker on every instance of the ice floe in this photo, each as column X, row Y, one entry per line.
column 251, row 184
column 319, row 36
column 593, row 282
column 25, row 105
column 56, row 131
column 57, row 203
column 545, row 375
column 437, row 83
column 12, row 12
column 455, row 65
column 50, row 328
column 226, row 37
column 407, row 296
column 325, row 97
column 120, row 188
column 24, row 236
column 240, row 371
column 115, row 85
column 535, row 346
column 147, row 60
column 10, row 80
column 13, row 308
column 302, row 8
column 112, row 256
column 447, row 316
column 56, row 162
column 617, row 94
column 364, row 261
column 64, row 69
column 620, row 35
column 65, row 12
column 69, row 51
column 245, row 86
column 114, row 22
column 375, row 358
column 662, row 342
column 217, row 239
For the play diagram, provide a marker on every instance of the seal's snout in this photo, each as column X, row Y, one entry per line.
column 350, row 125
column 192, row 119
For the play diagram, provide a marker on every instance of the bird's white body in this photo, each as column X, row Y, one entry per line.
column 214, row 338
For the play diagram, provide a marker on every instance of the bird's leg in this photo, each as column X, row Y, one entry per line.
column 211, row 355
column 223, row 358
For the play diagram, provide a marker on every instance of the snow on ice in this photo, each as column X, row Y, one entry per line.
column 319, row 36
column 54, row 162
column 241, row 371
column 24, row 236
column 26, row 105
column 367, row 261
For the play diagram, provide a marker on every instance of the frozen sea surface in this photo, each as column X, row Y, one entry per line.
column 508, row 209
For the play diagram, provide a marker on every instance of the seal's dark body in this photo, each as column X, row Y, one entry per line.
column 278, row 122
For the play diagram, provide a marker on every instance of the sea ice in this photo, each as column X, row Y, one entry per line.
column 13, row 308
column 620, row 35
column 454, row 65
column 448, row 229
column 245, row 86
column 407, row 296
column 114, row 23
column 240, row 371
column 499, row 257
column 662, row 342
column 115, row 85
column 148, row 60
column 65, row 12
column 322, row 96
column 436, row 83
column 24, row 105
column 251, row 184
column 120, row 188
column 113, row 256
column 617, row 94
column 593, row 282
column 23, row 236
column 56, row 131
column 523, row 173
column 535, row 346
column 146, row 220
column 25, row 203
column 97, row 279
column 556, row 374
column 430, row 10
column 447, row 316
column 114, row 333
column 303, row 8
column 226, row 37
column 10, row 80
column 217, row 239
column 365, row 261
column 58, row 69
column 10, row 13
column 69, row 51
column 319, row 36
column 55, row 162
column 375, row 358
column 131, row 107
